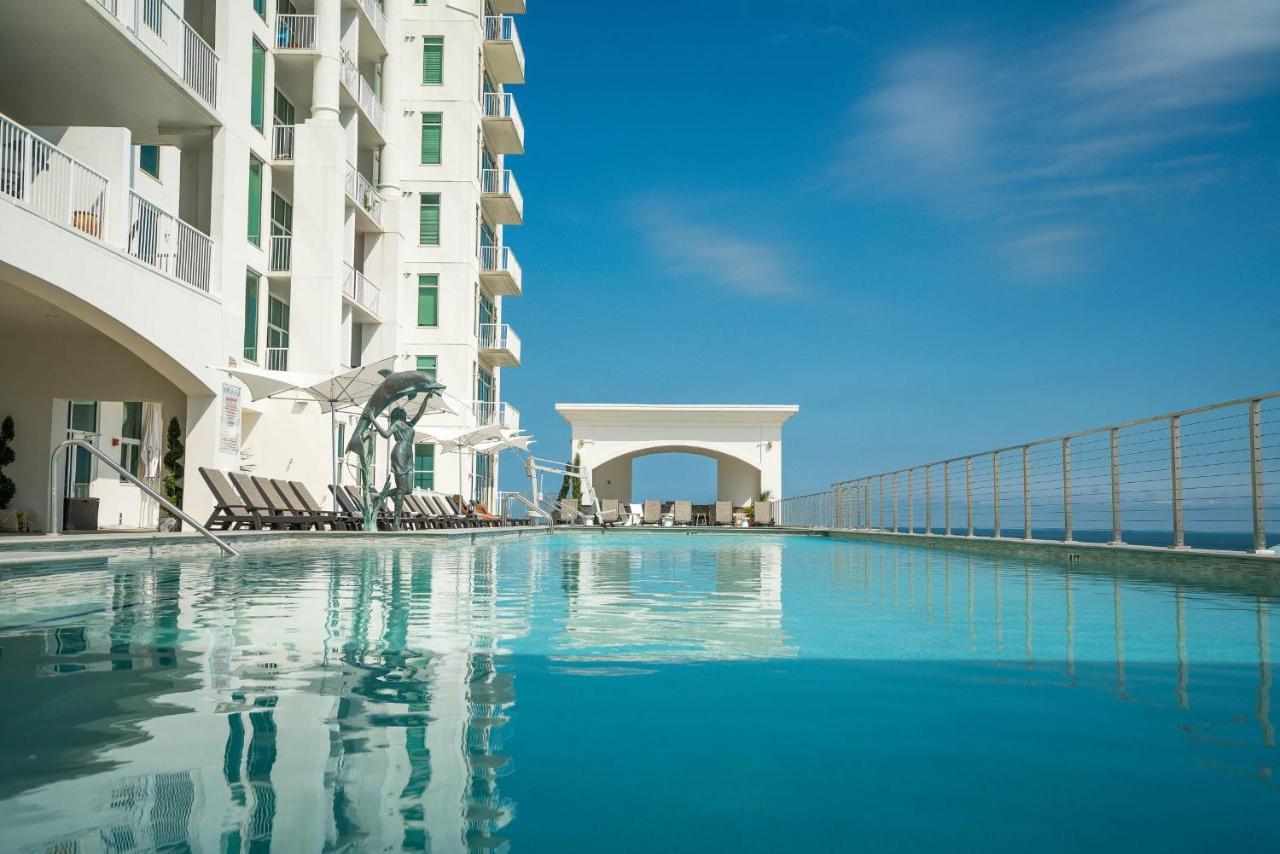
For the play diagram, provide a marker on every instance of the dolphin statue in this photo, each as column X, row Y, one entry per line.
column 406, row 384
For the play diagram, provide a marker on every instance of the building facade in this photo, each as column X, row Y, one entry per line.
column 295, row 187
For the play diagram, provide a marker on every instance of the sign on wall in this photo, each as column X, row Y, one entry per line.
column 229, row 438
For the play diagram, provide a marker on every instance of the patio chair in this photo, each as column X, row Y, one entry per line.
column 428, row 511
column 281, row 496
column 230, row 513
column 724, row 512
column 448, row 511
column 471, row 510
column 341, row 518
column 357, row 500
column 610, row 514
column 763, row 513
column 682, row 513
column 567, row 513
column 482, row 513
column 652, row 512
column 267, row 514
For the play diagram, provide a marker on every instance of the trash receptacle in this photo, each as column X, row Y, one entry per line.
column 80, row 514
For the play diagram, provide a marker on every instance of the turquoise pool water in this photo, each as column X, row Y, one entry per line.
column 633, row 693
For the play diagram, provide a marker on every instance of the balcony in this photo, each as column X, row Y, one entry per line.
column 500, row 197
column 364, row 196
column 499, row 345
column 282, row 144
column 502, row 124
column 508, row 7
column 362, row 96
column 295, row 33
column 500, row 272
column 280, row 258
column 168, row 244
column 171, row 40
column 376, row 20
column 361, row 294
column 50, row 182
column 503, row 54
column 495, row 414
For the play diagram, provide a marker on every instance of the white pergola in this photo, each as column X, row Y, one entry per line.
column 745, row 442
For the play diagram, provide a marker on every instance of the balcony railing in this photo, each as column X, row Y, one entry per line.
column 277, row 358
column 361, row 291
column 506, row 200
column 167, row 35
column 496, row 414
column 295, row 32
column 506, row 54
column 50, row 182
column 500, row 338
column 173, row 247
column 373, row 11
column 499, row 108
column 281, row 259
column 362, row 92
column 282, row 142
column 501, row 260
column 364, row 194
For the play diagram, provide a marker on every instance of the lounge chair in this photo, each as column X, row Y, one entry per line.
column 610, row 514
column 305, row 500
column 482, row 513
column 266, row 511
column 356, row 500
column 230, row 513
column 652, row 512
column 448, row 511
column 682, row 513
column 282, row 498
column 763, row 513
column 568, row 511
column 724, row 512
column 425, row 512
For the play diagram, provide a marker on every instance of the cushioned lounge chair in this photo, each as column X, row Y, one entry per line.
column 652, row 512
column 342, row 520
column 567, row 513
column 682, row 513
column 724, row 512
column 610, row 512
column 763, row 513
column 265, row 511
column 230, row 513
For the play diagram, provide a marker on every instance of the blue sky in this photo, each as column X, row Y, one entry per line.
column 937, row 227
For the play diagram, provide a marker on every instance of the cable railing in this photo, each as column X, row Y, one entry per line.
column 360, row 290
column 363, row 193
column 38, row 175
column 163, row 30
column 295, row 32
column 282, row 137
column 362, row 92
column 1189, row 479
column 175, row 248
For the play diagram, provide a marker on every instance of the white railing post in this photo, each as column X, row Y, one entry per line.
column 946, row 497
column 1175, row 474
column 928, row 502
column 968, row 492
column 1256, row 488
column 911, row 504
column 1067, row 533
column 1117, row 534
column 995, row 494
column 1026, row 492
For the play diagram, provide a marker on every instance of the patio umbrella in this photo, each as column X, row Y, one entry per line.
column 461, row 439
column 150, row 454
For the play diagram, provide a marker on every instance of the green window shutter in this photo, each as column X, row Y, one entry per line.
column 429, row 219
column 432, row 61
column 424, row 465
column 251, row 280
column 428, row 300
column 432, row 130
column 255, row 201
column 257, row 98
column 427, row 364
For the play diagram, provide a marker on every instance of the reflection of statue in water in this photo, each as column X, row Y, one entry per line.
column 405, row 385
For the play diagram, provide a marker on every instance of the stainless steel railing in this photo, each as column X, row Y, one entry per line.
column 1193, row 478
column 127, row 475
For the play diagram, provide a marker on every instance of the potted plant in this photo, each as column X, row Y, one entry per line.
column 173, row 467
column 8, row 517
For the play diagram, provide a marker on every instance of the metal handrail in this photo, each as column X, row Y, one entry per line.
column 123, row 472
column 532, row 508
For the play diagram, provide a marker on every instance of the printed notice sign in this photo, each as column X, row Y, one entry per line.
column 229, row 441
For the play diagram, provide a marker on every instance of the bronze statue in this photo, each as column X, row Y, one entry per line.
column 406, row 385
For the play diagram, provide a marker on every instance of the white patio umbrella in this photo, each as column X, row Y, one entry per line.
column 459, row 440
column 150, row 455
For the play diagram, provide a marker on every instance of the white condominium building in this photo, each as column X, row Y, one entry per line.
column 188, row 186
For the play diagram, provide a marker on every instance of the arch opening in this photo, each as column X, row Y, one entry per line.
column 672, row 472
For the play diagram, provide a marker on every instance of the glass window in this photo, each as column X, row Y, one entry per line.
column 427, row 364
column 82, row 418
column 432, row 131
column 260, row 6
column 432, row 61
column 277, row 334
column 428, row 300
column 429, row 219
column 131, row 438
column 484, row 386
column 257, row 96
column 424, row 466
column 284, row 112
column 255, row 201
column 251, row 281
column 149, row 160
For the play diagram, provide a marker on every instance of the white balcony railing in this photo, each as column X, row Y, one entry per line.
column 282, row 142
column 362, row 92
column 501, row 186
column 496, row 414
column 373, row 11
column 364, row 194
column 502, row 105
column 361, row 291
column 500, row 336
column 502, row 28
column 277, row 358
column 47, row 180
column 281, row 259
column 295, row 32
column 166, row 34
column 173, row 247
column 500, row 259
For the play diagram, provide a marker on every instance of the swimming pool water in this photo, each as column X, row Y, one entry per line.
column 627, row 692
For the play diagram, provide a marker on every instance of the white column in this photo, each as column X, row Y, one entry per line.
column 324, row 85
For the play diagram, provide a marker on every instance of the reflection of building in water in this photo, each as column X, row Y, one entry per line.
column 709, row 603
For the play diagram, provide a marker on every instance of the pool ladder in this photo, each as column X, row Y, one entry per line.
column 124, row 473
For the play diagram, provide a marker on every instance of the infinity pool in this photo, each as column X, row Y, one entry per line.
column 626, row 692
